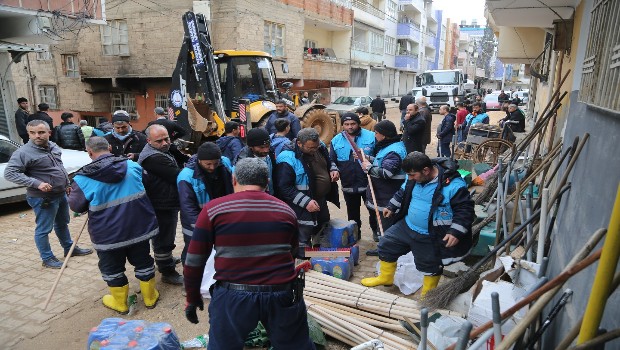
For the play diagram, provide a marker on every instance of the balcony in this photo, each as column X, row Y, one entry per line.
column 408, row 31
column 366, row 12
column 415, row 5
column 430, row 65
column 407, row 62
column 529, row 13
column 336, row 12
column 361, row 52
column 316, row 68
column 429, row 42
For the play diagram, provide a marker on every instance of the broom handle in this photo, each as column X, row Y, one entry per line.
column 64, row 265
column 359, row 152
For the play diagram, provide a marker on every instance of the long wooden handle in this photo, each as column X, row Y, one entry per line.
column 64, row 265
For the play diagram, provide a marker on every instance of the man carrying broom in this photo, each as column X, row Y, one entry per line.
column 433, row 214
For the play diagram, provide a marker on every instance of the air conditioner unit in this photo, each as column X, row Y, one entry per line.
column 44, row 23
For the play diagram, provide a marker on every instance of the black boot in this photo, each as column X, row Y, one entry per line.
column 171, row 276
column 372, row 252
column 375, row 236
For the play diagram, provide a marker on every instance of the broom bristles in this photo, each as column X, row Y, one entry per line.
column 442, row 296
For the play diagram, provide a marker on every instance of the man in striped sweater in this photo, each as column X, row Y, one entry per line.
column 256, row 236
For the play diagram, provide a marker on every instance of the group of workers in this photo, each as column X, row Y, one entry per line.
column 256, row 205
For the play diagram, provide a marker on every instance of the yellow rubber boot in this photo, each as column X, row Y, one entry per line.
column 117, row 299
column 150, row 295
column 385, row 278
column 428, row 283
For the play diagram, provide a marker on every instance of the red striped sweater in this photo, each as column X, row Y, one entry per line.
column 255, row 236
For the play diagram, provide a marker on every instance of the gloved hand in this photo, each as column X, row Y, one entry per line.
column 190, row 311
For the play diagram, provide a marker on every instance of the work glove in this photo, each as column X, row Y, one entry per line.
column 190, row 311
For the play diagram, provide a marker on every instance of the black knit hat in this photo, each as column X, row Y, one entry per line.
column 386, row 128
column 350, row 116
column 209, row 151
column 120, row 116
column 258, row 137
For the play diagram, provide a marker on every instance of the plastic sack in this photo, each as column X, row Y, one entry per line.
column 407, row 278
column 207, row 276
column 117, row 334
column 445, row 331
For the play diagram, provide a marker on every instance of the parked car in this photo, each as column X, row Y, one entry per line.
column 345, row 104
column 11, row 192
column 492, row 102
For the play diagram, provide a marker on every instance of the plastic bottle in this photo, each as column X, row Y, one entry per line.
column 200, row 342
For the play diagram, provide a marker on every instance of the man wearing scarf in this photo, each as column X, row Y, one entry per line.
column 123, row 140
column 160, row 182
column 352, row 177
column 385, row 173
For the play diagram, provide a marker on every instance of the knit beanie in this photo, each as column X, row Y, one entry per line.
column 258, row 137
column 120, row 116
column 386, row 128
column 209, row 151
column 350, row 116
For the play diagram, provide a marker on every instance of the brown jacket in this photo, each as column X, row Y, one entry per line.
column 368, row 123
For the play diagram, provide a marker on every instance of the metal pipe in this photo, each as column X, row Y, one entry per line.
column 542, row 270
column 466, row 328
column 542, row 226
column 497, row 318
column 423, row 328
column 528, row 213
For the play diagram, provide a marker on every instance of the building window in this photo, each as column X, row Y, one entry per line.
column 376, row 43
column 126, row 102
column 47, row 94
column 391, row 9
column 45, row 55
column 115, row 39
column 70, row 66
column 601, row 66
column 311, row 44
column 161, row 100
column 274, row 39
column 358, row 77
column 390, row 45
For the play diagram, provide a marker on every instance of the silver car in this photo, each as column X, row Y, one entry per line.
column 345, row 104
column 11, row 192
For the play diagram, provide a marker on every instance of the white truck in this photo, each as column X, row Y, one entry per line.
column 444, row 87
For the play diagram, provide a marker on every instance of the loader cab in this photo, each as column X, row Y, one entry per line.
column 245, row 75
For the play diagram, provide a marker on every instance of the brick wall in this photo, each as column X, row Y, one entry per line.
column 330, row 11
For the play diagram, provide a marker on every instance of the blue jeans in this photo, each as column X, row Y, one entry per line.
column 55, row 216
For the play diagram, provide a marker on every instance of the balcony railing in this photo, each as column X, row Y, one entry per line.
column 430, row 65
column 417, row 4
column 343, row 3
column 407, row 62
column 359, row 46
column 408, row 31
column 364, row 6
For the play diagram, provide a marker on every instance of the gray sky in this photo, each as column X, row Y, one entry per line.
column 462, row 9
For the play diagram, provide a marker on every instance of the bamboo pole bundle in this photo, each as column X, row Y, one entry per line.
column 324, row 287
column 351, row 330
column 368, row 317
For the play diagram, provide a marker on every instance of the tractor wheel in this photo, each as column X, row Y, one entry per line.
column 320, row 120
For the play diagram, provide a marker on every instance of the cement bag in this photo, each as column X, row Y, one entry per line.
column 407, row 278
column 207, row 276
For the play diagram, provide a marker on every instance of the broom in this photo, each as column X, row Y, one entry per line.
column 440, row 297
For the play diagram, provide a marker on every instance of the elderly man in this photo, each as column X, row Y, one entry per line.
column 425, row 112
column 433, row 213
column 283, row 112
column 259, row 146
column 160, row 181
column 354, row 180
column 306, row 180
column 38, row 166
column 206, row 176
column 256, row 239
column 111, row 189
column 123, row 139
column 414, row 127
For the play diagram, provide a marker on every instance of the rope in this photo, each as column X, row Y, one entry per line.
column 393, row 303
column 359, row 296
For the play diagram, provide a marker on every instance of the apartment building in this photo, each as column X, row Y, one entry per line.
column 27, row 69
column 452, row 45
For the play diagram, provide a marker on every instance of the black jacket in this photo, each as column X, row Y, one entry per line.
column 460, row 205
column 517, row 120
column 428, row 116
column 405, row 101
column 68, row 135
column 447, row 128
column 378, row 106
column 175, row 131
column 134, row 143
column 160, row 178
column 21, row 119
column 413, row 133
